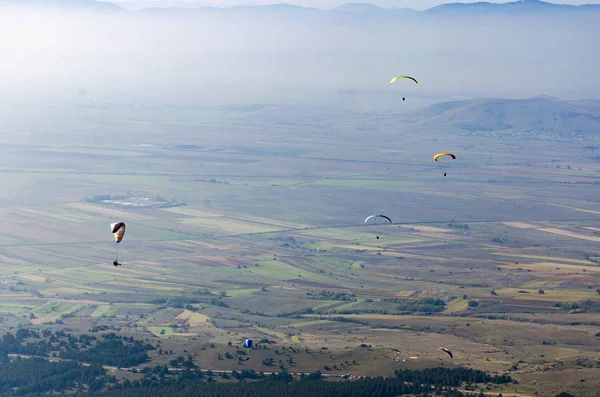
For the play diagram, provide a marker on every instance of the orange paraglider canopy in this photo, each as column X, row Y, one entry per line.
column 444, row 154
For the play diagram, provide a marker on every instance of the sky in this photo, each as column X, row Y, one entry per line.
column 416, row 4
column 165, row 57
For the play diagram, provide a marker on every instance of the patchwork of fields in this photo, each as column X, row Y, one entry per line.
column 272, row 245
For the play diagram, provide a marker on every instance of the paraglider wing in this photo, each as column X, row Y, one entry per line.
column 444, row 154
column 447, row 351
column 377, row 216
column 383, row 216
column 403, row 77
column 118, row 231
column 248, row 343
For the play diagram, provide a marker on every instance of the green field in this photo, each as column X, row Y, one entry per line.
column 161, row 332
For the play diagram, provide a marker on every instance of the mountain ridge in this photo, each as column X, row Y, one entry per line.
column 368, row 8
column 541, row 116
column 350, row 8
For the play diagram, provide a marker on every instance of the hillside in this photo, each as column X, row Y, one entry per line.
column 541, row 116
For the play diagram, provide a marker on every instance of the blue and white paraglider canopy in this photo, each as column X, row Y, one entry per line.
column 248, row 343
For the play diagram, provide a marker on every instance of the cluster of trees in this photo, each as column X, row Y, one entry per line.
column 111, row 349
column 332, row 295
column 35, row 376
column 180, row 362
column 113, row 352
column 436, row 382
column 579, row 307
column 39, row 376
column 177, row 302
column 450, row 376
column 13, row 344
column 458, row 226
column 425, row 305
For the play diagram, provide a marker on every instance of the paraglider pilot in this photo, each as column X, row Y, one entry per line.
column 118, row 230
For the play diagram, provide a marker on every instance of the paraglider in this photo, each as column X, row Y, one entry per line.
column 435, row 158
column 248, row 345
column 444, row 154
column 377, row 216
column 403, row 77
column 447, row 351
column 374, row 217
column 118, row 231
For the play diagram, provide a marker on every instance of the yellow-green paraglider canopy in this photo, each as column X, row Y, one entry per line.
column 403, row 77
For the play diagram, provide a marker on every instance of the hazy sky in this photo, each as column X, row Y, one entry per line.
column 416, row 4
column 164, row 57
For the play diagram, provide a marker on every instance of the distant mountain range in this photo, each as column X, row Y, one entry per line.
column 450, row 9
column 515, row 7
column 61, row 4
column 539, row 116
column 524, row 7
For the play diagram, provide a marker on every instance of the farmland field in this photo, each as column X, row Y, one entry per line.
column 271, row 243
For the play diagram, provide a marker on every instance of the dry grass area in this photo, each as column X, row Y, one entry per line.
column 44, row 319
column 594, row 229
column 578, row 209
column 524, row 256
column 107, row 212
column 184, row 315
column 568, row 233
column 404, row 294
column 520, row 225
column 33, row 277
column 551, row 267
column 577, row 381
column 427, row 229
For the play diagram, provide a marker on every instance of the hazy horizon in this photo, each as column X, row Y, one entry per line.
column 323, row 4
column 209, row 57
